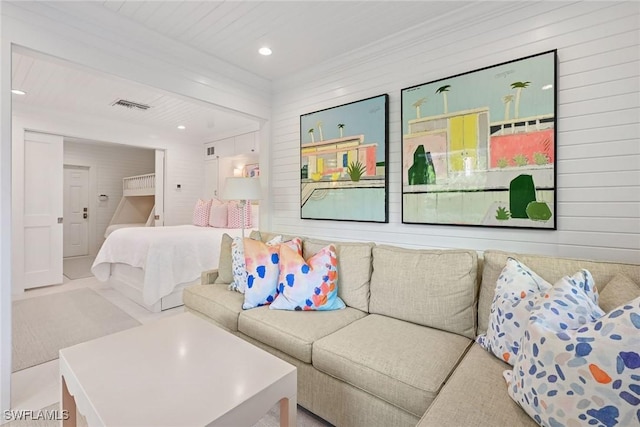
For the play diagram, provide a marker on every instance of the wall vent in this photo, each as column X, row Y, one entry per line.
column 131, row 105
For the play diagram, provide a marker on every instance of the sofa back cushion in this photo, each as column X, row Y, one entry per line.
column 265, row 236
column 354, row 267
column 435, row 288
column 550, row 269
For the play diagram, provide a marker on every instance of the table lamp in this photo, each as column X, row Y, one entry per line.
column 242, row 189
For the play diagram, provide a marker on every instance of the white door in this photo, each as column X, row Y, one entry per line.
column 76, row 211
column 159, row 196
column 42, row 209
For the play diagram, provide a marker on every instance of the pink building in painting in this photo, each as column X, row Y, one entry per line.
column 333, row 156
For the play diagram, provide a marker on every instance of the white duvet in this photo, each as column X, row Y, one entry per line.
column 169, row 256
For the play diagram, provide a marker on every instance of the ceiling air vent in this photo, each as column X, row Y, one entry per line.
column 131, row 105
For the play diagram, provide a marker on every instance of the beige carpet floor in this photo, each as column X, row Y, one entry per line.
column 77, row 267
column 271, row 419
column 43, row 325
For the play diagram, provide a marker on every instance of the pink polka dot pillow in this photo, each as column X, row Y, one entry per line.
column 589, row 375
column 308, row 285
column 201, row 213
column 235, row 214
column 263, row 270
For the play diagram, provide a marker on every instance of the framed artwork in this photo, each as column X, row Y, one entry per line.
column 343, row 162
column 252, row 170
column 479, row 148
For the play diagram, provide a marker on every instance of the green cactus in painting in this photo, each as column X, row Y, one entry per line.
column 538, row 211
column 520, row 160
column 503, row 162
column 356, row 170
column 540, row 159
column 502, row 214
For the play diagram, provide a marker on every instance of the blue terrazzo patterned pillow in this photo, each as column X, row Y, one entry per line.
column 589, row 375
column 517, row 291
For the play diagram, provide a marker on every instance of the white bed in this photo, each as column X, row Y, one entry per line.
column 152, row 265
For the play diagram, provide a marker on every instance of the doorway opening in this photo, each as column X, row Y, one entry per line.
column 77, row 261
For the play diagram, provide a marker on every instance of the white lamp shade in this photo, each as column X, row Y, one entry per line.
column 241, row 188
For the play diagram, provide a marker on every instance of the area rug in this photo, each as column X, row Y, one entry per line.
column 271, row 419
column 43, row 325
column 77, row 267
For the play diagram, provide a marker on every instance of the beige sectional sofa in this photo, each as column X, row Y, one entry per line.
column 402, row 352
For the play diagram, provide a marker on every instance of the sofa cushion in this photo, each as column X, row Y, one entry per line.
column 215, row 301
column 435, row 288
column 550, row 269
column 265, row 236
column 294, row 332
column 619, row 290
column 354, row 267
column 476, row 395
column 225, row 263
column 402, row 363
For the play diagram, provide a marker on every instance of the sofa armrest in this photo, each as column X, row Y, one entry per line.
column 208, row 277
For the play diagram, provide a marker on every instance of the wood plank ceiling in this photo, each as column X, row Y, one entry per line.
column 61, row 86
column 300, row 33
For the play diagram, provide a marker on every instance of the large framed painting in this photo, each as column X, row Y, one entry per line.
column 343, row 162
column 479, row 148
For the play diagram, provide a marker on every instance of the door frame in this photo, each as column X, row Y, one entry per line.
column 93, row 205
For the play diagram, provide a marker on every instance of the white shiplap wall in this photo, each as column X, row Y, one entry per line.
column 598, row 156
column 112, row 163
column 184, row 165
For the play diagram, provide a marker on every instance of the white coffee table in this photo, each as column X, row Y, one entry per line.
column 177, row 371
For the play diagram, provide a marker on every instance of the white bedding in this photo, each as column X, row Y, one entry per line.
column 169, row 256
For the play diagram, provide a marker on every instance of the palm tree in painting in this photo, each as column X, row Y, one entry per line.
column 507, row 99
column 310, row 132
column 340, row 129
column 319, row 126
column 443, row 90
column 518, row 86
column 417, row 104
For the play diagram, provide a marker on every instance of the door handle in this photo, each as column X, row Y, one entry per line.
column 85, row 215
column 59, row 220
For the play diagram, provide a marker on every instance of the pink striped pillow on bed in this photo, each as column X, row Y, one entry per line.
column 234, row 215
column 201, row 213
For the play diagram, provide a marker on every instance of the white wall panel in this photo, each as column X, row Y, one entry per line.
column 598, row 124
column 111, row 163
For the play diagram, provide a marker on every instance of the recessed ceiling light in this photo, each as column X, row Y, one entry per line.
column 18, row 92
column 264, row 51
column 182, row 127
